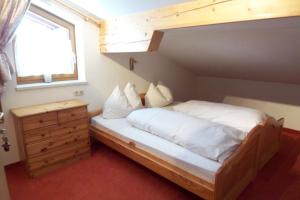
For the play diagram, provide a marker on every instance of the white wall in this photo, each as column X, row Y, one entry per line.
column 276, row 99
column 103, row 74
column 154, row 67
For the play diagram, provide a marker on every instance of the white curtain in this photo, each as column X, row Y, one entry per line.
column 42, row 48
column 11, row 14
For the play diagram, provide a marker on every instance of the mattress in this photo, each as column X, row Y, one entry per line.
column 197, row 165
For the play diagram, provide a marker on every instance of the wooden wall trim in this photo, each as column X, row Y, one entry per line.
column 142, row 32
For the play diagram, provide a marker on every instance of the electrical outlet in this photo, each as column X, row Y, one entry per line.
column 78, row 93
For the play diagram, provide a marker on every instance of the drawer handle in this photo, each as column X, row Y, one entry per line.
column 50, row 143
column 44, row 149
column 43, row 135
column 41, row 121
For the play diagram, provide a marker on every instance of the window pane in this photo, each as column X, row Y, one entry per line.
column 43, row 47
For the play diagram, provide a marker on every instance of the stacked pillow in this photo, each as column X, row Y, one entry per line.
column 133, row 97
column 120, row 103
column 158, row 96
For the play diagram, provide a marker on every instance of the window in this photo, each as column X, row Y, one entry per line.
column 45, row 48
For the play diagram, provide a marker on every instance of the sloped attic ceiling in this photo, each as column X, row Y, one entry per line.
column 265, row 50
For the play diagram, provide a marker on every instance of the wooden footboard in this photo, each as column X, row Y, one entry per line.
column 240, row 169
column 269, row 141
column 255, row 151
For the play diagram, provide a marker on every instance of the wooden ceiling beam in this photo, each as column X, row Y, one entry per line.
column 143, row 32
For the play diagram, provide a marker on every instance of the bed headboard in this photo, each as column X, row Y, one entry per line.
column 142, row 95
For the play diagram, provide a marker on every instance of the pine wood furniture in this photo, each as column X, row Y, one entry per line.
column 231, row 179
column 52, row 135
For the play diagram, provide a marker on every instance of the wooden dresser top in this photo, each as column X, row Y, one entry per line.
column 45, row 108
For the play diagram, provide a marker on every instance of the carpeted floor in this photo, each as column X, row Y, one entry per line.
column 107, row 175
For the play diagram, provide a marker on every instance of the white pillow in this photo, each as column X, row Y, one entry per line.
column 154, row 98
column 117, row 105
column 165, row 91
column 132, row 96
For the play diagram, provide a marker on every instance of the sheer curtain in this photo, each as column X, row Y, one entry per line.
column 43, row 48
column 11, row 14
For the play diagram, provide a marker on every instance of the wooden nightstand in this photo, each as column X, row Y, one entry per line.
column 53, row 134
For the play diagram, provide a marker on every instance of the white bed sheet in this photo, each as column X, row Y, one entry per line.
column 170, row 152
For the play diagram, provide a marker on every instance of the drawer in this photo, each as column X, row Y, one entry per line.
column 35, row 135
column 68, row 152
column 70, row 147
column 48, row 145
column 71, row 127
column 58, row 158
column 72, row 114
column 53, row 131
column 38, row 121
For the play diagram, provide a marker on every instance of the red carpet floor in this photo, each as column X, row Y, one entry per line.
column 107, row 175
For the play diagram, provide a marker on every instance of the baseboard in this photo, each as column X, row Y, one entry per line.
column 12, row 165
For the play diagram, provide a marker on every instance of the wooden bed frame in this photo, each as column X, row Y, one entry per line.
column 230, row 180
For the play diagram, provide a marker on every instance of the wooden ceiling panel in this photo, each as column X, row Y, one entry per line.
column 134, row 33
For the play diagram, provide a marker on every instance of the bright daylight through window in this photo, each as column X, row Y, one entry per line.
column 45, row 48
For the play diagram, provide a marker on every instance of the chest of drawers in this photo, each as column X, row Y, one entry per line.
column 52, row 135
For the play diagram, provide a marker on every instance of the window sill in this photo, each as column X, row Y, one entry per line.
column 49, row 85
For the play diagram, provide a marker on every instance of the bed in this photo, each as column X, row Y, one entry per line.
column 204, row 177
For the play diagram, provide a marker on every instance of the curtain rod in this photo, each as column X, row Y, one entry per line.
column 77, row 11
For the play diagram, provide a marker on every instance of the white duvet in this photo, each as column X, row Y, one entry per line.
column 241, row 118
column 208, row 139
